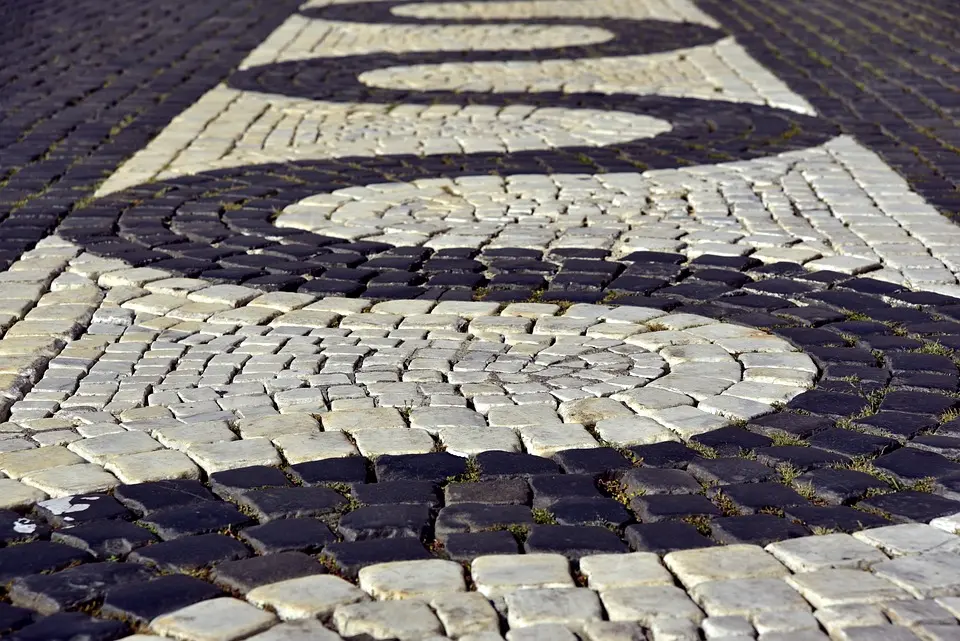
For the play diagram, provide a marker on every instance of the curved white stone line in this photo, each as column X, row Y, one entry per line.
column 721, row 71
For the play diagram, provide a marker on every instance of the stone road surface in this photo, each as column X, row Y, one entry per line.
column 523, row 320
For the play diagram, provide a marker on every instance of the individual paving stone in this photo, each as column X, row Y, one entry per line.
column 217, row 457
column 643, row 481
column 920, row 612
column 598, row 461
column 539, row 632
column 349, row 558
column 572, row 541
column 315, row 596
column 71, row 480
column 755, row 529
column 198, row 518
column 466, row 547
column 280, row 425
column 387, row 619
column 644, row 604
column 729, row 471
column 909, row 465
column 386, row 522
column 589, row 411
column 417, row 492
column 605, row 571
column 723, row 627
column 924, row 576
column 514, row 464
column 880, row 633
column 571, row 607
column 911, row 506
column 909, row 538
column 73, row 510
column 788, row 624
column 662, row 507
column 246, row 574
column 334, row 470
column 14, row 494
column 288, row 535
column 747, row 597
column 475, row 517
column 840, row 486
column 287, row 502
column 507, row 491
column 601, row 511
column 13, row 618
column 693, row 567
column 70, row 625
column 663, row 538
column 144, row 601
column 357, row 420
column 153, row 466
column 548, row 488
column 74, row 587
column 190, row 553
column 465, row 613
column 215, row 619
column 102, row 449
column 499, row 575
column 750, row 498
column 302, row 448
column 825, row 588
column 839, row 617
column 19, row 464
column 304, row 630
column 15, row 528
column 378, row 442
column 435, row 466
column 829, row 551
column 831, row 404
column 104, row 539
column 144, row 498
column 412, row 579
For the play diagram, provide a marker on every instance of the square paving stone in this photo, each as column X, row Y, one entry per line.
column 505, row 491
column 925, row 576
column 233, row 484
column 825, row 588
column 499, row 575
column 571, row 607
column 693, row 567
column 386, row 522
column 70, row 625
column 910, row 538
column 829, row 551
column 840, row 486
column 190, row 553
column 755, row 529
column 350, row 557
column 221, row 619
column 466, row 613
column 830, row 404
column 74, row 587
column 245, row 574
column 644, row 481
column 850, row 443
column 499, row 464
column 730, row 441
column 434, row 466
column 897, row 425
column 349, row 469
column 19, row 464
column 144, row 498
column 288, row 535
column 670, row 454
column 467, row 547
column 230, row 455
column 917, row 402
column 476, row 517
column 36, row 557
column 71, row 480
column 909, row 506
column 644, row 604
column 104, row 539
column 802, row 458
column 288, row 502
column 387, row 619
column 880, row 633
column 663, row 538
column 144, row 601
column 548, row 488
column 920, row 612
column 600, row 461
column 834, row 517
column 747, row 597
column 605, row 571
column 788, row 424
column 750, row 498
column 199, row 518
column 908, row 465
column 420, row 492
column 412, row 579
column 74, row 510
column 315, row 596
column 600, row 511
column 729, row 471
column 572, row 541
column 665, row 507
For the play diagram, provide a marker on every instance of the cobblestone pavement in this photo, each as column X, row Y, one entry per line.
column 507, row 320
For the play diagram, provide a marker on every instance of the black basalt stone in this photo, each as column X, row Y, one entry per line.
column 600, row 511
column 13, row 618
column 349, row 558
column 467, row 547
column 144, row 498
column 909, row 465
column 290, row 502
column 386, row 522
column 851, row 443
column 917, row 402
column 662, row 538
column 199, row 518
column 599, row 462
column 755, row 529
column 839, row 517
column 349, row 469
column 83, row 508
column 910, row 506
column 644, row 481
column 665, row 507
column 70, row 626
column 73, row 587
column 668, row 454
column 288, row 535
column 730, row 441
column 841, row 486
column 788, row 424
column 476, row 517
column 828, row 403
column 420, row 492
column 190, row 553
column 104, row 539
column 16, row 528
column 246, row 574
column 514, row 464
column 548, row 488
column 749, row 498
column 729, row 471
column 572, row 541
column 897, row 425
column 232, row 484
column 143, row 602
column 435, row 467
column 36, row 557
column 498, row 491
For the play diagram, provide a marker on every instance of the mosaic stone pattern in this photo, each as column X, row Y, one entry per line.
column 499, row 320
